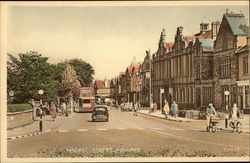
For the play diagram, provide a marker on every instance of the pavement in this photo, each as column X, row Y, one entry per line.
column 33, row 128
column 221, row 125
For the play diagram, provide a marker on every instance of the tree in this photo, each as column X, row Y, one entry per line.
column 70, row 83
column 29, row 73
column 84, row 71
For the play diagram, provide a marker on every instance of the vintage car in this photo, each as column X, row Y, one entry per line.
column 127, row 107
column 100, row 113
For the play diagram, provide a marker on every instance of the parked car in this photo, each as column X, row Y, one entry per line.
column 126, row 107
column 100, row 113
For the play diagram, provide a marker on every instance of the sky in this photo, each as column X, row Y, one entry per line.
column 106, row 37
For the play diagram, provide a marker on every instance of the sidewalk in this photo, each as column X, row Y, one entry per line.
column 33, row 128
column 158, row 114
column 221, row 125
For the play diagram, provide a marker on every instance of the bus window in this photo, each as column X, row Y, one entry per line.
column 80, row 102
column 86, row 101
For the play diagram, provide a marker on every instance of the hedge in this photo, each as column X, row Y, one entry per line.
column 18, row 107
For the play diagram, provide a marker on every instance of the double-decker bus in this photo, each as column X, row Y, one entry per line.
column 86, row 101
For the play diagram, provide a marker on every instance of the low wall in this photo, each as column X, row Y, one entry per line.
column 18, row 119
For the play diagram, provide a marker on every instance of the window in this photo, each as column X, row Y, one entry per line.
column 197, row 71
column 207, row 95
column 245, row 65
column 225, row 68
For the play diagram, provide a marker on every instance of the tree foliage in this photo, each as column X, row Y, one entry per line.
column 70, row 82
column 84, row 71
column 30, row 71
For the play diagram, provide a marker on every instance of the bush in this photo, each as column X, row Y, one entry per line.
column 18, row 107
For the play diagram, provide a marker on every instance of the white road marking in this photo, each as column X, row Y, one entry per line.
column 82, row 130
column 178, row 129
column 161, row 129
column 102, row 129
column 63, row 130
column 122, row 129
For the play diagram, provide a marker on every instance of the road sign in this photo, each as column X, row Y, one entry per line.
column 147, row 75
column 162, row 90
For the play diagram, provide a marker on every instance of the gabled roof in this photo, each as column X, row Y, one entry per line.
column 136, row 68
column 99, row 83
column 122, row 73
column 129, row 69
column 206, row 44
column 238, row 24
column 189, row 38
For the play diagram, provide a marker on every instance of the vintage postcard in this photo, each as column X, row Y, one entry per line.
column 125, row 81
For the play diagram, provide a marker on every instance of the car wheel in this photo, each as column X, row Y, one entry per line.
column 93, row 120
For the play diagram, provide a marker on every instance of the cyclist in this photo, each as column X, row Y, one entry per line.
column 234, row 113
column 210, row 113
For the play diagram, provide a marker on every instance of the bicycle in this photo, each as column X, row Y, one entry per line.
column 213, row 124
column 235, row 124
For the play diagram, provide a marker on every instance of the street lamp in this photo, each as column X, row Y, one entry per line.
column 41, row 92
column 226, row 93
column 11, row 94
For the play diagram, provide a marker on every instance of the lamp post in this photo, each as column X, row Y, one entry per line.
column 226, row 93
column 11, row 94
column 41, row 92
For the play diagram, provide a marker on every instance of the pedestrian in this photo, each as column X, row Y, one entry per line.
column 174, row 109
column 53, row 110
column 135, row 109
column 155, row 107
column 166, row 109
column 64, row 107
column 210, row 113
column 151, row 107
column 132, row 106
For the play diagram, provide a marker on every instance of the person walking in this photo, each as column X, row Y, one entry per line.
column 155, row 107
column 174, row 109
column 53, row 110
column 135, row 109
column 166, row 109
column 151, row 108
column 64, row 107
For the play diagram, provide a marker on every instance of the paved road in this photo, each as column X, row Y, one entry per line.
column 124, row 130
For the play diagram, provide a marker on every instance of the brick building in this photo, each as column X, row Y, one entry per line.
column 173, row 70
column 232, row 35
column 135, row 83
column 145, row 80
